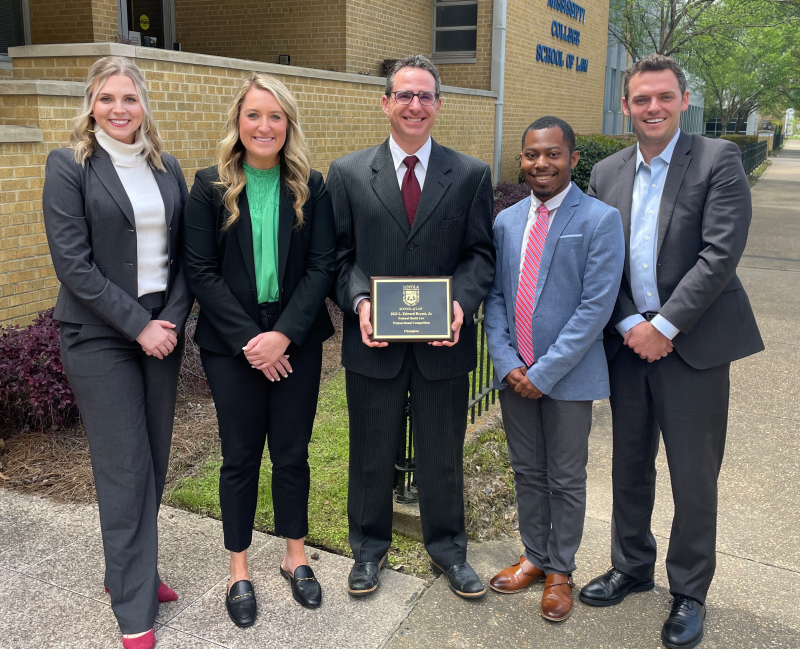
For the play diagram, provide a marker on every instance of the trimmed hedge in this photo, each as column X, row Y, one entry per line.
column 740, row 140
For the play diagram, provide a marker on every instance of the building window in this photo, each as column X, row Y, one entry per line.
column 455, row 31
column 12, row 24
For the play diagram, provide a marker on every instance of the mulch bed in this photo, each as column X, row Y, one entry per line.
column 57, row 463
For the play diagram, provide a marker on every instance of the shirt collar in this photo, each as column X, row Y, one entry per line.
column 398, row 155
column 552, row 203
column 665, row 155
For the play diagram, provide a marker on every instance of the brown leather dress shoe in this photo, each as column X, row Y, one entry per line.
column 557, row 597
column 514, row 579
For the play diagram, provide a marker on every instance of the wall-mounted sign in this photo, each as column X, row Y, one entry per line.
column 144, row 22
column 565, row 33
column 557, row 57
column 570, row 8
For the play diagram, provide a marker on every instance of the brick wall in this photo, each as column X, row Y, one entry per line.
column 73, row 21
column 312, row 33
column 534, row 89
column 190, row 101
column 389, row 29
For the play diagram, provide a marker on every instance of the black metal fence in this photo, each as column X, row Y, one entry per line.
column 482, row 397
column 777, row 139
column 753, row 155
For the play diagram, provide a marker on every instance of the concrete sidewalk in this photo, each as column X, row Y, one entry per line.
column 51, row 562
column 755, row 598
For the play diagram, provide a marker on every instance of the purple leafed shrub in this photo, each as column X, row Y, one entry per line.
column 507, row 194
column 34, row 392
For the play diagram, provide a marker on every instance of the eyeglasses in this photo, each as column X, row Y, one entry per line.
column 405, row 97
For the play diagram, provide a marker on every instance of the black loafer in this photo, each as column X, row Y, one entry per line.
column 305, row 587
column 241, row 603
column 364, row 577
column 462, row 579
column 611, row 588
column 684, row 626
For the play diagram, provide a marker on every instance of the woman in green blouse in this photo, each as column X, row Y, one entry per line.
column 260, row 260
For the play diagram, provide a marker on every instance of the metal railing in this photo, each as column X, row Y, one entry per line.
column 777, row 140
column 753, row 155
column 482, row 397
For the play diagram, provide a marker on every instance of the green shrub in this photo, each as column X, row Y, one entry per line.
column 740, row 140
column 595, row 148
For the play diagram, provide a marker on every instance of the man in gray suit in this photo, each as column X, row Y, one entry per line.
column 559, row 261
column 681, row 318
column 410, row 206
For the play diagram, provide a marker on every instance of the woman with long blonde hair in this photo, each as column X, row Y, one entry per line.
column 260, row 257
column 113, row 208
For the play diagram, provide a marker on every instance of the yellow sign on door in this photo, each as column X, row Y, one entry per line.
column 144, row 22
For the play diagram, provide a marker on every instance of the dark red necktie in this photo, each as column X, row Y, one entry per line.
column 410, row 188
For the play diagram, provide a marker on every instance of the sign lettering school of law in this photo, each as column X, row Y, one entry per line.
column 554, row 56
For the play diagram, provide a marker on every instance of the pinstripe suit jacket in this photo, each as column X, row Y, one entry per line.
column 452, row 235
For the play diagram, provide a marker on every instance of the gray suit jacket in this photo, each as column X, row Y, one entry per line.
column 703, row 223
column 576, row 288
column 91, row 231
column 452, row 235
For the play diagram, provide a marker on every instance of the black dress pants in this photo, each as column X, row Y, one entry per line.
column 690, row 407
column 377, row 426
column 251, row 410
column 127, row 404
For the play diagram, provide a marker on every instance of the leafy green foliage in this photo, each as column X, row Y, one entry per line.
column 740, row 140
column 595, row 148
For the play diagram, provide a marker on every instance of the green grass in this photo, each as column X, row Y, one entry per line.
column 327, row 505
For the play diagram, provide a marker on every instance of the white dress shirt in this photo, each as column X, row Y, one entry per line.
column 398, row 155
column 552, row 205
column 648, row 187
column 140, row 185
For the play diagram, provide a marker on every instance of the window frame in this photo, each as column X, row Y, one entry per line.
column 5, row 59
column 465, row 56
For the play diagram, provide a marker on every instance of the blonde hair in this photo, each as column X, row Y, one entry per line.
column 294, row 156
column 82, row 140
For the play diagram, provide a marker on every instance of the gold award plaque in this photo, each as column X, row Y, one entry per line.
column 412, row 309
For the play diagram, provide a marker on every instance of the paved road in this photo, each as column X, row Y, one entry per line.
column 755, row 599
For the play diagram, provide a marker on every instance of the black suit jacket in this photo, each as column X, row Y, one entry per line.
column 91, row 231
column 452, row 235
column 220, row 267
column 703, row 223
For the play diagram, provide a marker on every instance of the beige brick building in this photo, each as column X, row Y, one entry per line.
column 336, row 51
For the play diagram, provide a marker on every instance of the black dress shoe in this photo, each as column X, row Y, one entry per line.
column 241, row 603
column 611, row 588
column 684, row 626
column 364, row 577
column 462, row 580
column 305, row 587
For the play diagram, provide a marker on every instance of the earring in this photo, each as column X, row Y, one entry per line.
column 147, row 130
column 90, row 130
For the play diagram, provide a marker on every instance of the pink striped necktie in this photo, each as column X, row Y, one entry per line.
column 526, row 294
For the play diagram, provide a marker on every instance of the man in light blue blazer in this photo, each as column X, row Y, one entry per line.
column 560, row 255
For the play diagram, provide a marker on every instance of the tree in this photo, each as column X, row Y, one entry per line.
column 749, row 68
column 672, row 27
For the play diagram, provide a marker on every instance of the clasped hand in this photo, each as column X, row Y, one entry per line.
column 157, row 338
column 265, row 352
column 365, row 322
column 518, row 379
column 648, row 342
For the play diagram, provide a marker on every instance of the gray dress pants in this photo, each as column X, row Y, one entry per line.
column 548, row 445
column 127, row 403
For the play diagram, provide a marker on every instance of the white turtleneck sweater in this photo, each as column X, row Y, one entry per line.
column 148, row 210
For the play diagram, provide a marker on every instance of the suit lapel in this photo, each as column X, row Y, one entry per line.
column 436, row 185
column 627, row 175
column 516, row 231
column 286, row 218
column 384, row 182
column 678, row 165
column 104, row 168
column 166, row 187
column 244, row 232
column 563, row 216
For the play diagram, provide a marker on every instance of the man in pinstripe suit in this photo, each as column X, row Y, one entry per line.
column 410, row 206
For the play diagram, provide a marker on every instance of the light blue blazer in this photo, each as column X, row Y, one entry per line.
column 576, row 290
